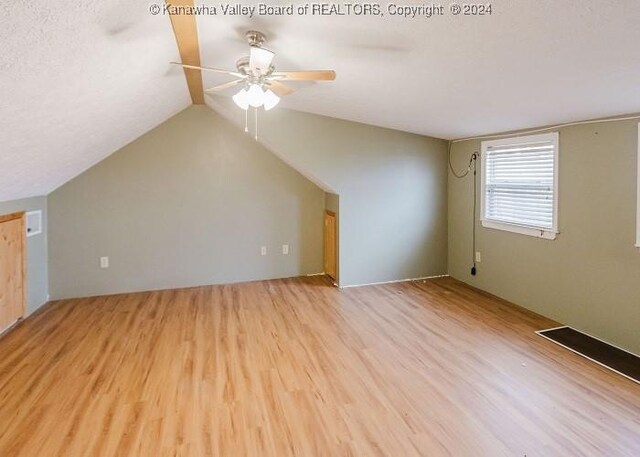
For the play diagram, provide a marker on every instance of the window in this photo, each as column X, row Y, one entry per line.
column 519, row 185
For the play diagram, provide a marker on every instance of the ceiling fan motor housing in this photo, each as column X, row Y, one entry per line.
column 244, row 68
column 255, row 38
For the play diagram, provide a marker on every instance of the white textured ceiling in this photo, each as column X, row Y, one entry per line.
column 530, row 63
column 78, row 80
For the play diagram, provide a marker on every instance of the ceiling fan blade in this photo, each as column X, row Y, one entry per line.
column 260, row 59
column 279, row 89
column 215, row 70
column 314, row 75
column 224, row 86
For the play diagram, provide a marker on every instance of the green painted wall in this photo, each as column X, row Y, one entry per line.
column 589, row 277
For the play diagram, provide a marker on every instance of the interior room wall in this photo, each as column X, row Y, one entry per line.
column 392, row 187
column 37, row 270
column 589, row 277
column 189, row 203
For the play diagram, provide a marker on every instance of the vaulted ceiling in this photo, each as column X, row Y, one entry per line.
column 81, row 79
column 530, row 63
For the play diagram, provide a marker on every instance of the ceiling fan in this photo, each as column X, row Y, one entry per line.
column 262, row 84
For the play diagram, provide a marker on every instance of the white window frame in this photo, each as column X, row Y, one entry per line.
column 638, row 197
column 549, row 234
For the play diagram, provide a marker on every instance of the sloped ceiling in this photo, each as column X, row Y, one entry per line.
column 80, row 79
column 530, row 63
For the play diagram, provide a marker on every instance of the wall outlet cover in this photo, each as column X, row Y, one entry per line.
column 263, row 250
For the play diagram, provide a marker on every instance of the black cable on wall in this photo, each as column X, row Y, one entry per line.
column 473, row 164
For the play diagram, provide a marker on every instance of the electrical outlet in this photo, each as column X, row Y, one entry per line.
column 285, row 249
column 478, row 257
column 263, row 250
column 104, row 262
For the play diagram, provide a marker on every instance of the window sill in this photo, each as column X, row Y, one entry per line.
column 522, row 230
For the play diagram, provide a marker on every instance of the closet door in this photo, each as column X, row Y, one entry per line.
column 12, row 269
column 330, row 249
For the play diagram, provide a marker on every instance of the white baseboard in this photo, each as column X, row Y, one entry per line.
column 9, row 327
column 394, row 281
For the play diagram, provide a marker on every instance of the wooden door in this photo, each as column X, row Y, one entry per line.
column 330, row 248
column 12, row 268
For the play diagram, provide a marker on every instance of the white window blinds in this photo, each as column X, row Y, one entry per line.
column 519, row 182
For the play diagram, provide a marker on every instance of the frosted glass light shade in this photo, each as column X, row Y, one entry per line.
column 255, row 95
column 242, row 99
column 260, row 59
column 270, row 100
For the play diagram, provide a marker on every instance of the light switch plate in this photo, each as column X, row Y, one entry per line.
column 263, row 250
column 285, row 249
column 104, row 262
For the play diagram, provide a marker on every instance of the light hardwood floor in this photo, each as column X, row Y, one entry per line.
column 297, row 368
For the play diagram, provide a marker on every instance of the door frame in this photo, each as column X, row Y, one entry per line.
column 335, row 243
column 19, row 215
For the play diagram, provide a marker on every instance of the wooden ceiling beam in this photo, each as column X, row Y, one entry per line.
column 186, row 32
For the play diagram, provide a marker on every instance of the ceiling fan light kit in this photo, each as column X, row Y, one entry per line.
column 256, row 97
column 242, row 99
column 262, row 84
column 270, row 100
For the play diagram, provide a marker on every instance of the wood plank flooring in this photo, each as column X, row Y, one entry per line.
column 295, row 367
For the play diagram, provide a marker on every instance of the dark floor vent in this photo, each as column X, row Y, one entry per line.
column 611, row 357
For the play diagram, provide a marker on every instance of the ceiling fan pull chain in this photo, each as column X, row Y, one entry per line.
column 256, row 111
